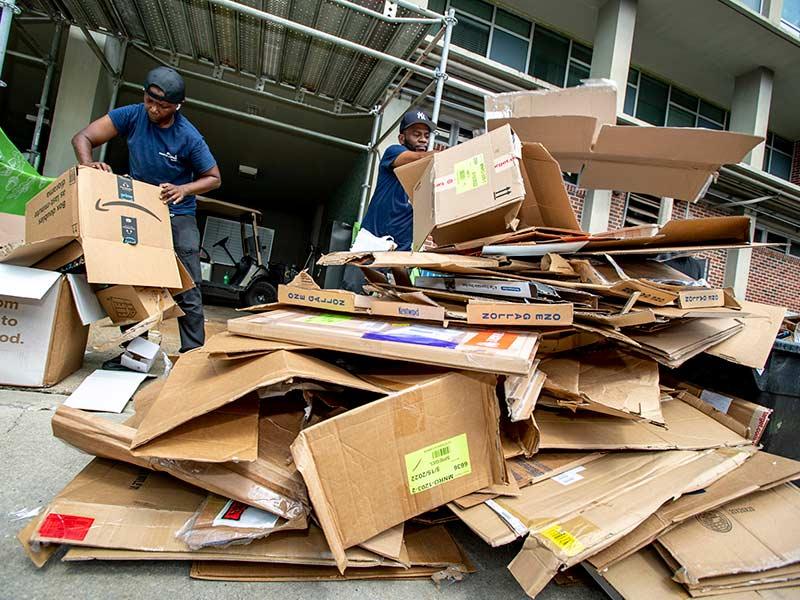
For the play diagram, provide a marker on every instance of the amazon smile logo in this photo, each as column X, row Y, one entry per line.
column 104, row 207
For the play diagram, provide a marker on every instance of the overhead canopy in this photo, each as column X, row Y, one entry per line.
column 230, row 39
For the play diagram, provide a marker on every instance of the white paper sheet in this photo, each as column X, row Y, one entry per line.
column 105, row 391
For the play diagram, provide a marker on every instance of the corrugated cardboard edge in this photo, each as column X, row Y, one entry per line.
column 304, row 461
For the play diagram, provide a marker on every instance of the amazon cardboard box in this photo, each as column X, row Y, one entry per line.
column 126, row 304
column 383, row 463
column 44, row 325
column 490, row 185
column 122, row 227
column 578, row 127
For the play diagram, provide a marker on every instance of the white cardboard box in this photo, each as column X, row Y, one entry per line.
column 140, row 355
column 44, row 318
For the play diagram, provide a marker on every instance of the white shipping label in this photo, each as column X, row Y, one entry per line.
column 718, row 401
column 570, row 477
column 240, row 515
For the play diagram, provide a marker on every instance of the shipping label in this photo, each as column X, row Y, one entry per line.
column 65, row 527
column 563, row 540
column 438, row 463
column 470, row 174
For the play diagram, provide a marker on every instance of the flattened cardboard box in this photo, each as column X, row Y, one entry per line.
column 429, row 550
column 383, row 463
column 761, row 471
column 600, row 506
column 44, row 319
column 685, row 428
column 118, row 221
column 752, row 417
column 608, row 381
column 519, row 315
column 751, row 534
column 483, row 350
column 578, row 127
column 266, row 483
column 114, row 505
column 644, row 575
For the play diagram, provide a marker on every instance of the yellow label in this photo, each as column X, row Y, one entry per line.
column 470, row 174
column 327, row 319
column 563, row 539
column 438, row 463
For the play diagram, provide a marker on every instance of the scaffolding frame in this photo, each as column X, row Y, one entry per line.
column 406, row 69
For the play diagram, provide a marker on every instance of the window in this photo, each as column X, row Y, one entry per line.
column 652, row 100
column 661, row 104
column 778, row 156
column 517, row 42
column 754, row 5
column 794, row 249
column 471, row 35
column 549, row 57
column 791, row 13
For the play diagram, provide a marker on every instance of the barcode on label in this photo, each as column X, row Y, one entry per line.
column 439, row 452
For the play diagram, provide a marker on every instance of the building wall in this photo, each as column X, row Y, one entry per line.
column 774, row 275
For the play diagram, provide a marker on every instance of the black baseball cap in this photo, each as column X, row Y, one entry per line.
column 169, row 81
column 413, row 117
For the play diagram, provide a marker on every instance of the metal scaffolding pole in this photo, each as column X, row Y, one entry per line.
column 373, row 141
column 112, row 103
column 441, row 72
column 265, row 121
column 382, row 17
column 34, row 156
column 9, row 9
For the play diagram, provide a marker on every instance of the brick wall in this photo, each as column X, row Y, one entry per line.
column 774, row 276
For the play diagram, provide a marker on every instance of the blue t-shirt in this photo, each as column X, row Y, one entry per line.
column 175, row 154
column 389, row 211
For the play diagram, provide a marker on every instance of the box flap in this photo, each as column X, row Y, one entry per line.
column 752, row 345
column 61, row 258
column 86, row 302
column 412, row 173
column 149, row 266
column 229, row 344
column 197, row 385
column 24, row 282
column 227, row 434
column 546, row 203
column 607, row 381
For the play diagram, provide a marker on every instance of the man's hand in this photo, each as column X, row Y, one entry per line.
column 100, row 166
column 171, row 193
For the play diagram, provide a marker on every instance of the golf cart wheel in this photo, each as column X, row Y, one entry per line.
column 260, row 292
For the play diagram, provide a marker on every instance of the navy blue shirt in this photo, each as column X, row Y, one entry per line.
column 175, row 154
column 389, row 211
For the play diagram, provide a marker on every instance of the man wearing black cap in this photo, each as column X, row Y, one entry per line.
column 389, row 211
column 164, row 149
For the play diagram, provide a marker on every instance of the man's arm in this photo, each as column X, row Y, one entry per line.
column 93, row 135
column 174, row 194
column 408, row 156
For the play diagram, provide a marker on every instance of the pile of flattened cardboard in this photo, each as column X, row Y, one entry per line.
column 517, row 376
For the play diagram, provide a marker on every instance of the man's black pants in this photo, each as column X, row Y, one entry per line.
column 186, row 239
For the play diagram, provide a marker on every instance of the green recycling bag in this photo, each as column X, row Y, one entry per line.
column 19, row 181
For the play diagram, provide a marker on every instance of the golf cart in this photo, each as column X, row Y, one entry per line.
column 234, row 254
